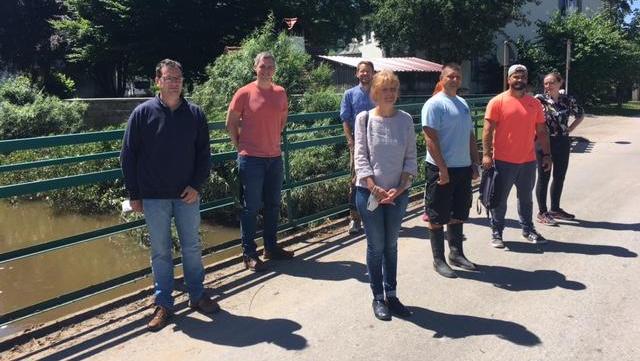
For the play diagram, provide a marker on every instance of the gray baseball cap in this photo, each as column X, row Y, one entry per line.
column 517, row 67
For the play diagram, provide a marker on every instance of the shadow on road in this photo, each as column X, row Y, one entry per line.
column 95, row 345
column 327, row 271
column 460, row 326
column 581, row 145
column 516, row 280
column 602, row 225
column 419, row 232
column 570, row 247
column 241, row 331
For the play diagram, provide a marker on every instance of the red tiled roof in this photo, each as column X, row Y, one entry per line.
column 411, row 64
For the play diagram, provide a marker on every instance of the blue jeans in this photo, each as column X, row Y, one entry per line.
column 261, row 184
column 158, row 214
column 524, row 177
column 381, row 228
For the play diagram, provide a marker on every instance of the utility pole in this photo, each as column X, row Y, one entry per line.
column 567, row 66
column 505, row 64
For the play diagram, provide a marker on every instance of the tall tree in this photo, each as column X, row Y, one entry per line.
column 116, row 39
column 617, row 10
column 27, row 41
column 602, row 58
column 325, row 24
column 447, row 30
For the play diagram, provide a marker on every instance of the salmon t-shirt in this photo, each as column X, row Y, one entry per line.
column 515, row 120
column 261, row 112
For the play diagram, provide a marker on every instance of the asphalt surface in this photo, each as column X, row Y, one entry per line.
column 576, row 298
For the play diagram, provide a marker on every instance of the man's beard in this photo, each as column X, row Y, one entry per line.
column 518, row 86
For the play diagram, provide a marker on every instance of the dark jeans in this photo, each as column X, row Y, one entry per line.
column 560, row 148
column 261, row 184
column 523, row 176
column 382, row 227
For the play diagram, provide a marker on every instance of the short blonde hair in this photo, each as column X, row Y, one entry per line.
column 381, row 79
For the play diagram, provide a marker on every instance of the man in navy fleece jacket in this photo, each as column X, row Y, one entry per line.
column 165, row 160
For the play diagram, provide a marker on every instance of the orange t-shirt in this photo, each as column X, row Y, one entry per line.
column 515, row 120
column 261, row 116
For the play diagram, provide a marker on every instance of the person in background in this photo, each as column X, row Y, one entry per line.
column 355, row 101
column 558, row 108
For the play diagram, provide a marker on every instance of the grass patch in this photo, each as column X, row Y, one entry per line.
column 629, row 109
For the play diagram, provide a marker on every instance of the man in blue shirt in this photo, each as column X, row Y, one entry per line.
column 355, row 101
column 452, row 161
column 165, row 161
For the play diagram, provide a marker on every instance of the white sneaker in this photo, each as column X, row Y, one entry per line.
column 354, row 227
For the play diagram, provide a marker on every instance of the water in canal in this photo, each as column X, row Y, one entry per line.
column 35, row 279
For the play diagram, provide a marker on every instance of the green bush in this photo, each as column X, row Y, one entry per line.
column 26, row 112
column 60, row 85
column 321, row 100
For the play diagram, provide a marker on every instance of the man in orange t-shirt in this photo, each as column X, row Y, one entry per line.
column 513, row 121
column 256, row 118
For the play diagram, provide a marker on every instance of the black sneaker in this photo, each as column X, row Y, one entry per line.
column 381, row 310
column 397, row 308
column 562, row 214
column 496, row 239
column 534, row 237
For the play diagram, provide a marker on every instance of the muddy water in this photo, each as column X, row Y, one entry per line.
column 35, row 279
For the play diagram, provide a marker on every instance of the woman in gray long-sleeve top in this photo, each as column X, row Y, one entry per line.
column 385, row 162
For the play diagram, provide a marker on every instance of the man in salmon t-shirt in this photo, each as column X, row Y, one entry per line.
column 256, row 117
column 513, row 121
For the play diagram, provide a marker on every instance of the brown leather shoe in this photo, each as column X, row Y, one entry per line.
column 159, row 319
column 205, row 305
column 278, row 253
column 254, row 264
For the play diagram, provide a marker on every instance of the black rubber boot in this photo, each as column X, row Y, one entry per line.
column 437, row 247
column 456, row 253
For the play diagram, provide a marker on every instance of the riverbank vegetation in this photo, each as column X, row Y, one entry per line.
column 296, row 72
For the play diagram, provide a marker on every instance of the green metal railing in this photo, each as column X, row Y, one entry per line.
column 21, row 189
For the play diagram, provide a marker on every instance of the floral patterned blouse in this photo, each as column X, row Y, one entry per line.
column 557, row 114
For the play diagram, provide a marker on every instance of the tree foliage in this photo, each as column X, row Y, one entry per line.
column 230, row 71
column 447, row 30
column 116, row 39
column 28, row 44
column 27, row 112
column 602, row 55
column 616, row 10
column 325, row 24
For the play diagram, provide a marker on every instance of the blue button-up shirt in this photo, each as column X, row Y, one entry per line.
column 354, row 101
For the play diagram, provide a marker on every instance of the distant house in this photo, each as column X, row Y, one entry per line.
column 417, row 76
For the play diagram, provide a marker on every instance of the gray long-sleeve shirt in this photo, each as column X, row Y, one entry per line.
column 384, row 148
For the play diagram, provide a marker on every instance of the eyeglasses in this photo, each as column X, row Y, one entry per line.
column 171, row 79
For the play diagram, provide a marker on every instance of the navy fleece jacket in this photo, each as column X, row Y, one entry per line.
column 163, row 152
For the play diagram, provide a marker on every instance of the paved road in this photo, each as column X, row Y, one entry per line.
column 577, row 298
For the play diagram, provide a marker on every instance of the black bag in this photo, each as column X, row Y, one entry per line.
column 488, row 190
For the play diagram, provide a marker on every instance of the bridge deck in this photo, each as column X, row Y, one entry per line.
column 575, row 298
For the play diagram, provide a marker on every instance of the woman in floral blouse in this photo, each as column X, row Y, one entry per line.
column 558, row 108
